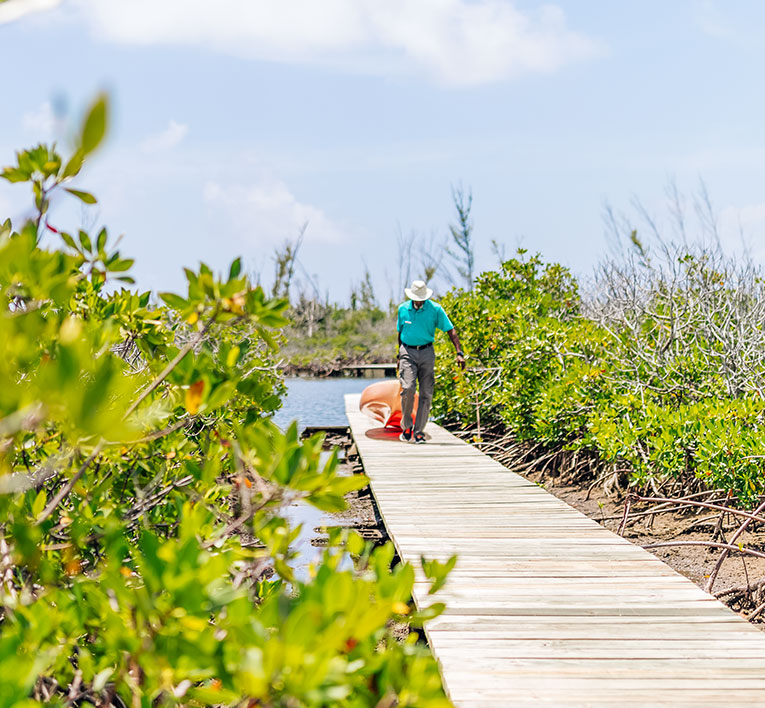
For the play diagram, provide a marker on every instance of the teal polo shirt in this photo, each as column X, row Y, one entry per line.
column 418, row 326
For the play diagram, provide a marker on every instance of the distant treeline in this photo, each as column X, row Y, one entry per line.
column 324, row 338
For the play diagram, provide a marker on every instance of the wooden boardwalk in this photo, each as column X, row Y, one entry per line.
column 545, row 606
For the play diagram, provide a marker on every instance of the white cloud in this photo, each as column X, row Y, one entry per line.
column 712, row 21
column 41, row 122
column 455, row 42
column 266, row 213
column 14, row 9
column 166, row 139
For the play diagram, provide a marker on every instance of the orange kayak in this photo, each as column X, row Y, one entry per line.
column 382, row 401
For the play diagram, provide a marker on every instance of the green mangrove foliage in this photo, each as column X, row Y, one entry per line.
column 145, row 557
column 322, row 338
column 659, row 369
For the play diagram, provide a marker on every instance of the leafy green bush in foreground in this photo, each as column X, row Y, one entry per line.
column 142, row 489
column 660, row 373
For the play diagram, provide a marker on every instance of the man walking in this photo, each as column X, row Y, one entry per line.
column 418, row 320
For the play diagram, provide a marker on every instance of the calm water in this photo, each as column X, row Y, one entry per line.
column 314, row 402
column 318, row 401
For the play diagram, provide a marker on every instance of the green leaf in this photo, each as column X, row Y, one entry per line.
column 121, row 265
column 268, row 338
column 206, row 695
column 427, row 614
column 174, row 301
column 86, row 197
column 39, row 503
column 68, row 240
column 94, row 126
column 327, row 502
column 343, row 485
column 232, row 356
column 220, row 395
column 85, row 241
column 74, row 165
column 236, row 268
column 14, row 175
column 101, row 241
column 437, row 572
column 355, row 544
column 51, row 167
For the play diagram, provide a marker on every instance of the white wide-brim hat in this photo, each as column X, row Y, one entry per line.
column 419, row 291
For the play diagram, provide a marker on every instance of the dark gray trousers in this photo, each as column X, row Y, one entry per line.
column 416, row 366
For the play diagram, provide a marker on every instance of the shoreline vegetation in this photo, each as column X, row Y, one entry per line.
column 342, row 337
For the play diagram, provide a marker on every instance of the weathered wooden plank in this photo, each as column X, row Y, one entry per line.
column 545, row 606
column 557, row 593
column 634, row 698
column 631, row 700
column 613, row 611
column 646, row 621
column 722, row 650
column 621, row 673
column 671, row 633
column 527, row 582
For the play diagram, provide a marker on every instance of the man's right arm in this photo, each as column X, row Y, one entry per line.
column 398, row 329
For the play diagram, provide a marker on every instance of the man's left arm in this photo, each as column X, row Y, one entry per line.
column 456, row 342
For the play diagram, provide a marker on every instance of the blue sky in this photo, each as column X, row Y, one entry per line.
column 235, row 123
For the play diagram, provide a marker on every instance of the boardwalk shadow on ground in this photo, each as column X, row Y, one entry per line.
column 389, row 434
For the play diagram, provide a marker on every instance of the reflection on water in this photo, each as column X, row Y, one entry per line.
column 311, row 518
column 315, row 402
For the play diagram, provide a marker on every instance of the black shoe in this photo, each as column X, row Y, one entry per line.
column 419, row 438
column 406, row 435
